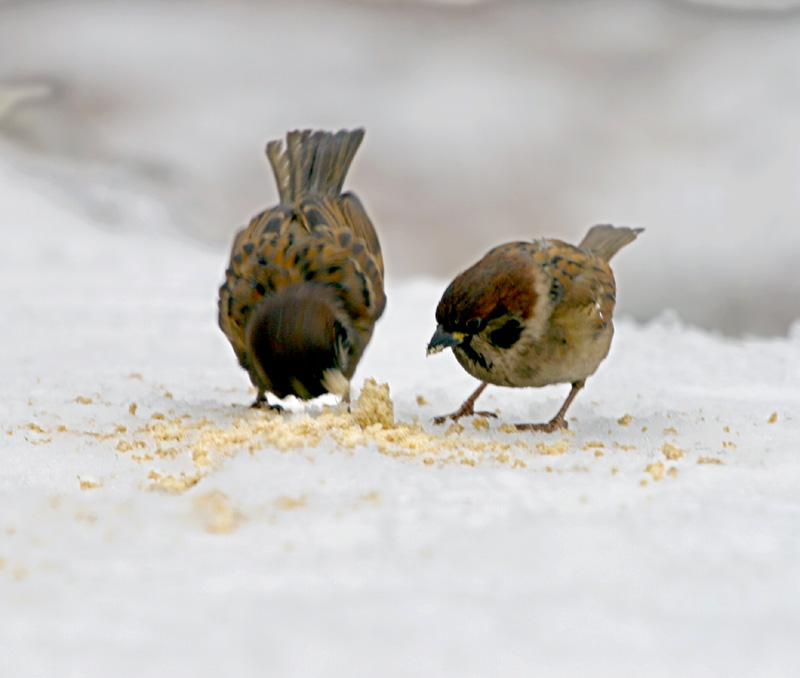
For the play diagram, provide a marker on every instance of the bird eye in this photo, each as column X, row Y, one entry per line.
column 473, row 325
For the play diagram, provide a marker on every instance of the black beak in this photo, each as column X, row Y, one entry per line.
column 442, row 339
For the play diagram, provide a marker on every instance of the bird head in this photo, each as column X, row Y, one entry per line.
column 487, row 304
column 299, row 340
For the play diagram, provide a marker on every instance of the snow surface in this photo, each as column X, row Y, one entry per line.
column 337, row 562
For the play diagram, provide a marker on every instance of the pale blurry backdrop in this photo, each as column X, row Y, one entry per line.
column 486, row 121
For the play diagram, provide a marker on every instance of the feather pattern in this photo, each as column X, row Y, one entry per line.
column 316, row 236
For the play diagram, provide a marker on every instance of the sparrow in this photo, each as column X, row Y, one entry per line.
column 533, row 314
column 304, row 287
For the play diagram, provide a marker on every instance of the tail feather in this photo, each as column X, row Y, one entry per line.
column 313, row 162
column 605, row 240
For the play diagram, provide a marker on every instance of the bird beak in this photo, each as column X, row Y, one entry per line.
column 442, row 340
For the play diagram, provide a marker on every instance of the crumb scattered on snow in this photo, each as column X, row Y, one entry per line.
column 656, row 469
column 709, row 460
column 214, row 511
column 291, row 503
column 553, row 449
column 672, row 452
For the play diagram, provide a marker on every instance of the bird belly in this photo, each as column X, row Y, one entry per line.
column 535, row 363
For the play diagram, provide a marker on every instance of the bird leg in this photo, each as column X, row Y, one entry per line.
column 466, row 409
column 558, row 422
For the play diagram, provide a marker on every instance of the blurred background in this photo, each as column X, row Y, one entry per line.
column 486, row 122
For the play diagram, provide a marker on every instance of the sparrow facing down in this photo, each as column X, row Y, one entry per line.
column 533, row 314
column 305, row 282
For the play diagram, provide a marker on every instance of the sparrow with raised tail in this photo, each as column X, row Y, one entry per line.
column 305, row 282
column 533, row 314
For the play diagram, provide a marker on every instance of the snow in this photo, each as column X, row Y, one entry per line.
column 480, row 552
column 353, row 562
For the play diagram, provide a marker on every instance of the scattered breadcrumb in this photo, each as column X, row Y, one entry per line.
column 656, row 469
column 672, row 452
column 456, row 428
column 620, row 446
column 83, row 400
column 132, row 408
column 670, row 430
column 89, row 484
column 598, row 453
column 214, row 511
column 421, row 401
column 158, row 416
column 625, row 420
column 709, row 460
column 480, row 423
column 290, row 503
column 554, row 449
column 727, row 429
column 772, row 418
column 173, row 483
column 729, row 444
column 672, row 472
column 593, row 443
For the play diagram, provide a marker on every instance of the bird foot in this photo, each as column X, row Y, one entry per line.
column 557, row 423
column 262, row 403
column 462, row 412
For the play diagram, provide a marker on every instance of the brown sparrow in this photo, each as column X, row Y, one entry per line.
column 305, row 282
column 533, row 314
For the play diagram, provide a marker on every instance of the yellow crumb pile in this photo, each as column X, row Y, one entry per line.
column 656, row 469
column 672, row 452
column 370, row 422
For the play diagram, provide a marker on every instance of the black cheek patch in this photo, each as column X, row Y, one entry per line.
column 507, row 335
column 474, row 356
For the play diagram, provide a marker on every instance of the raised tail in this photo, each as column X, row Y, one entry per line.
column 313, row 162
column 605, row 241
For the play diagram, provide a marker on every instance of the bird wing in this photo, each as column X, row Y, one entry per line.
column 257, row 267
column 354, row 261
column 582, row 288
